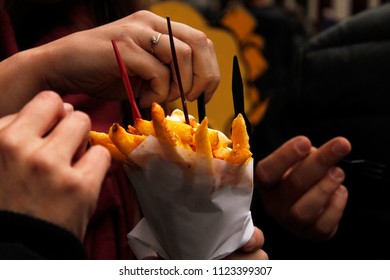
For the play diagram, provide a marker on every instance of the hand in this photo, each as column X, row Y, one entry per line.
column 85, row 62
column 252, row 249
column 301, row 188
column 45, row 169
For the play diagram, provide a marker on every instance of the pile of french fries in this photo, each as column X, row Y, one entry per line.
column 171, row 132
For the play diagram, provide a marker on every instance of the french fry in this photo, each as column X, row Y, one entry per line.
column 240, row 138
column 100, row 138
column 172, row 131
column 240, row 135
column 124, row 141
column 183, row 130
column 221, row 153
column 167, row 138
column 131, row 129
column 202, row 140
column 163, row 133
column 238, row 155
column 213, row 137
column 144, row 127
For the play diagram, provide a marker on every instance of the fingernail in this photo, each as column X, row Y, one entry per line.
column 68, row 107
column 337, row 174
column 302, row 146
column 341, row 191
column 339, row 148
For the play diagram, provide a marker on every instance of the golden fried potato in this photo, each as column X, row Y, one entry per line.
column 213, row 137
column 163, row 133
column 240, row 135
column 221, row 153
column 131, row 129
column 144, row 127
column 238, row 155
column 100, row 138
column 183, row 130
column 202, row 139
column 124, row 141
column 172, row 133
column 167, row 138
column 240, row 138
column 162, row 129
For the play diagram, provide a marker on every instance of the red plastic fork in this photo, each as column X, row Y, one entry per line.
column 125, row 77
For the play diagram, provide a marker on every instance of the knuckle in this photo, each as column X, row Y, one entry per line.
column 82, row 119
column 211, row 77
column 296, row 181
column 299, row 214
column 142, row 15
column 52, row 99
column 40, row 162
column 186, row 53
column 322, row 160
column 326, row 189
column 9, row 140
column 200, row 37
column 51, row 95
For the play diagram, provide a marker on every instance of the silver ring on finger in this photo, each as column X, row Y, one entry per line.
column 154, row 41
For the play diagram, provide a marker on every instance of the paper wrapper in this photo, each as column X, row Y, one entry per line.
column 193, row 208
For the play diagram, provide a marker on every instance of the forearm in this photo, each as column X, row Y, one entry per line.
column 21, row 78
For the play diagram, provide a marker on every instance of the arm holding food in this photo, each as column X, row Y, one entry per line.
column 48, row 178
column 301, row 187
column 85, row 62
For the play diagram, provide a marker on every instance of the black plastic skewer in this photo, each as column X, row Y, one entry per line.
column 178, row 77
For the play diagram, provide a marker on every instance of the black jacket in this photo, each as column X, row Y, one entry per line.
column 342, row 89
column 24, row 238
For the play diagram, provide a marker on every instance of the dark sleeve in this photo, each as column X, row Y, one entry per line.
column 343, row 89
column 25, row 237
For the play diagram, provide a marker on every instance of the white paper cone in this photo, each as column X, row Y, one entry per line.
column 192, row 209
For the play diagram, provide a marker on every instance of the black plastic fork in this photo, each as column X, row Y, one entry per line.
column 367, row 169
column 238, row 94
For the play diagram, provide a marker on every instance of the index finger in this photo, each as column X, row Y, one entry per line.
column 317, row 164
column 270, row 170
column 205, row 66
column 41, row 113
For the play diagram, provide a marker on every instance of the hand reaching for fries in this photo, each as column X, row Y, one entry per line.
column 46, row 171
column 85, row 62
column 301, row 188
